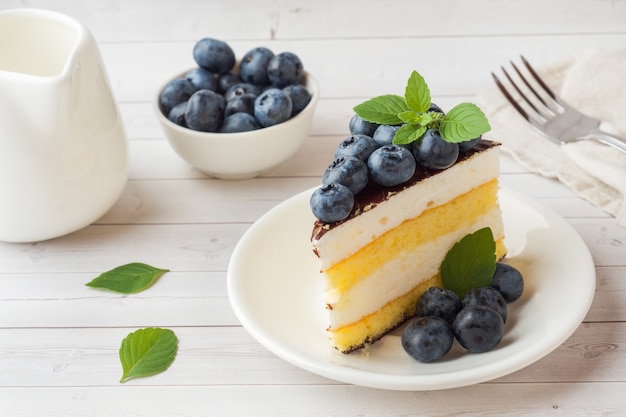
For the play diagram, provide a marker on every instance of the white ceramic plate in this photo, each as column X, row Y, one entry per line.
column 276, row 292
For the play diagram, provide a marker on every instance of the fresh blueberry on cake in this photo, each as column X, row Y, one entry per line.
column 380, row 250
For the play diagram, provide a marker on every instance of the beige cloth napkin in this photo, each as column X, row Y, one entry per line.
column 592, row 81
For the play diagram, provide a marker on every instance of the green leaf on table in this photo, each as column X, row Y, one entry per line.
column 147, row 352
column 464, row 122
column 470, row 263
column 128, row 279
column 383, row 110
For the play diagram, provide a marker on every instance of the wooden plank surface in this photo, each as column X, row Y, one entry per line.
column 59, row 339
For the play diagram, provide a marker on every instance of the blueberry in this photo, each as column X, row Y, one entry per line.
column 508, row 281
column 202, row 79
column 300, row 97
column 469, row 144
column 427, row 339
column 331, row 203
column 488, row 297
column 348, row 171
column 272, row 107
column 433, row 152
column 241, row 89
column 174, row 93
column 440, row 303
column 391, row 165
column 205, row 111
column 359, row 146
column 225, row 81
column 240, row 104
column 214, row 55
column 239, row 122
column 478, row 328
column 253, row 66
column 285, row 69
column 360, row 126
column 383, row 135
column 177, row 114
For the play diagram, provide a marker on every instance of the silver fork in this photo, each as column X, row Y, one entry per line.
column 550, row 114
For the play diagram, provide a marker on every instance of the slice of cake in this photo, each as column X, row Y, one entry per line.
column 387, row 252
column 392, row 205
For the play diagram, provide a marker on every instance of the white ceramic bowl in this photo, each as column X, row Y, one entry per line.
column 240, row 155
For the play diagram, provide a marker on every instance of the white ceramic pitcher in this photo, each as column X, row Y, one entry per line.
column 63, row 154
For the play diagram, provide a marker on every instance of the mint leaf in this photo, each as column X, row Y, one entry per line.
column 128, row 279
column 410, row 117
column 463, row 122
column 408, row 133
column 147, row 352
column 417, row 93
column 470, row 263
column 383, row 110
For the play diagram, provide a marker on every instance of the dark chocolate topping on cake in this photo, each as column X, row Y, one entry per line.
column 373, row 194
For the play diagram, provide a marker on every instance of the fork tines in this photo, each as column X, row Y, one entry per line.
column 543, row 102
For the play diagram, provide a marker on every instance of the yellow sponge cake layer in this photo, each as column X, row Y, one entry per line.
column 437, row 221
column 400, row 274
column 374, row 326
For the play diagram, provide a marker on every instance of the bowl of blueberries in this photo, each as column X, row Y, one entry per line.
column 237, row 119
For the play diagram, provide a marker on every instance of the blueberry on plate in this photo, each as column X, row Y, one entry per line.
column 272, row 107
column 214, row 55
column 205, row 111
column 253, row 66
column 508, row 281
column 478, row 328
column 433, row 152
column 391, row 165
column 239, row 122
column 285, row 69
column 488, row 297
column 175, row 92
column 438, row 302
column 348, row 171
column 331, row 203
column 427, row 339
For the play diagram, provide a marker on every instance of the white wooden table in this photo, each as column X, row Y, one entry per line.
column 59, row 339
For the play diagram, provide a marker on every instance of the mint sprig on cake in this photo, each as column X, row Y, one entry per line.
column 415, row 113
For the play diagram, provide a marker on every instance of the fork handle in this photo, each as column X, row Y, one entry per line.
column 608, row 139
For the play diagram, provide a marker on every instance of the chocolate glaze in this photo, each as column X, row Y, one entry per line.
column 373, row 194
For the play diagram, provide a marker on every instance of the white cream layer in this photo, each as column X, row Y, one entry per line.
column 349, row 237
column 403, row 273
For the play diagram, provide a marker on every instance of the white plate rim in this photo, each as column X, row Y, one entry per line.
column 576, row 252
